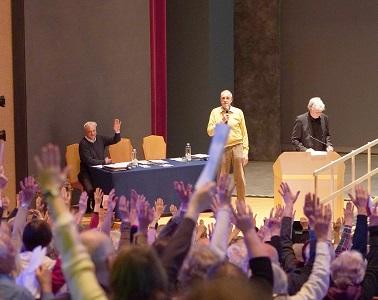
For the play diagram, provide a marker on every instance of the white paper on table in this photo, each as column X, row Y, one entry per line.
column 157, row 161
column 98, row 166
column 120, row 165
column 179, row 159
column 216, row 150
column 200, row 156
column 318, row 153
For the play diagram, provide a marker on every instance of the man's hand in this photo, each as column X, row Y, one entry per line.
column 108, row 160
column 245, row 160
column 310, row 204
column 117, row 126
column 123, row 208
column 289, row 199
column 50, row 175
column 373, row 218
column 329, row 148
column 274, row 222
column 159, row 208
column 28, row 190
column 222, row 197
column 244, row 218
column 348, row 214
column 322, row 221
column 200, row 200
column 83, row 202
column 225, row 118
column 184, row 192
column 360, row 200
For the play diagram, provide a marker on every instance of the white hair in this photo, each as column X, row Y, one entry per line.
column 90, row 124
column 316, row 103
column 227, row 92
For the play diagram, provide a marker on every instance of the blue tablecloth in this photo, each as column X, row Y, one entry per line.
column 152, row 182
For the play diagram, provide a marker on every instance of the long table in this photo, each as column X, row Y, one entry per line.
column 152, row 182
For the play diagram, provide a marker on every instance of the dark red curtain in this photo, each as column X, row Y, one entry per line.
column 158, row 67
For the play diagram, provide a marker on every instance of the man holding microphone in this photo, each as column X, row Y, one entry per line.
column 237, row 146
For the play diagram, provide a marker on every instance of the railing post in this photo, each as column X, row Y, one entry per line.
column 369, row 169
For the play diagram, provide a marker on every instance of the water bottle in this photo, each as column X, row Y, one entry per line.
column 188, row 152
column 134, row 160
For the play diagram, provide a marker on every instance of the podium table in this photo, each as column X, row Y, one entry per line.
column 296, row 168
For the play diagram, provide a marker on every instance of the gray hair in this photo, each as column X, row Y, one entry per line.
column 316, row 103
column 90, row 124
column 348, row 269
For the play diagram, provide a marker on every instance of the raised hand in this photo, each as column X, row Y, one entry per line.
column 112, row 200
column 83, row 202
column 323, row 215
column 360, row 200
column 288, row 197
column 51, row 177
column 66, row 196
column 123, row 208
column 200, row 200
column 173, row 210
column 28, row 190
column 373, row 218
column 349, row 214
column 117, row 125
column 98, row 196
column 222, row 196
column 310, row 204
column 274, row 221
column 244, row 218
column 184, row 192
column 145, row 213
column 159, row 208
column 133, row 208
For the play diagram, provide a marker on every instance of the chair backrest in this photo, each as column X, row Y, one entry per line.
column 121, row 151
column 154, row 147
column 73, row 162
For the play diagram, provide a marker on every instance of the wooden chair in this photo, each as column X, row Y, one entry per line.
column 154, row 147
column 121, row 151
column 73, row 162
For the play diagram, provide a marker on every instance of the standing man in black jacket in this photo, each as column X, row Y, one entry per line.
column 311, row 129
column 92, row 152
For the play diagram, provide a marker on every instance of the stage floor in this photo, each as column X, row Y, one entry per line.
column 259, row 176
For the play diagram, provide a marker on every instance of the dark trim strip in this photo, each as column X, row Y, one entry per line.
column 19, row 89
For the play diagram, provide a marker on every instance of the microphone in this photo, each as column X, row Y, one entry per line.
column 226, row 114
column 319, row 141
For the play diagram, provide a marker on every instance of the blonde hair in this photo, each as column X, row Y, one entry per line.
column 348, row 269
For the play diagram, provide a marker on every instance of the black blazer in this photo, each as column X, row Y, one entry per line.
column 301, row 136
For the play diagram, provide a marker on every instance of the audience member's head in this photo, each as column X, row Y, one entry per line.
column 223, row 289
column 280, row 284
column 36, row 233
column 237, row 255
column 225, row 269
column 196, row 265
column 101, row 250
column 7, row 252
column 137, row 273
column 348, row 269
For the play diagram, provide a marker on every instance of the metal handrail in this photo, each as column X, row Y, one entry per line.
column 355, row 181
